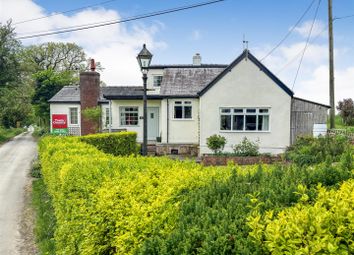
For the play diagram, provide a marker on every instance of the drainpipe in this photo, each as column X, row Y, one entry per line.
column 168, row 121
column 110, row 116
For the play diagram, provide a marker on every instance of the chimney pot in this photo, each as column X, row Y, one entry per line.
column 93, row 65
column 197, row 60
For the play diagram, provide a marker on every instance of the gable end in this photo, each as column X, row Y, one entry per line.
column 247, row 54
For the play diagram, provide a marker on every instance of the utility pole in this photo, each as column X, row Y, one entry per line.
column 331, row 66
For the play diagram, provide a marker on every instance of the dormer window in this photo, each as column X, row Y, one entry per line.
column 157, row 80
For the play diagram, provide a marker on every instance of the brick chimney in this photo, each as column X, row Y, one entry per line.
column 89, row 96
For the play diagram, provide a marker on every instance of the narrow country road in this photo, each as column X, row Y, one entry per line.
column 15, row 162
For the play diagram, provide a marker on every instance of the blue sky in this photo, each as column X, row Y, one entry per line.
column 215, row 31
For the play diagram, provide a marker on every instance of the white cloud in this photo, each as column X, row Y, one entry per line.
column 312, row 82
column 319, row 28
column 115, row 46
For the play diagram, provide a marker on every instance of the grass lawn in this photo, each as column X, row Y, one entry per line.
column 7, row 134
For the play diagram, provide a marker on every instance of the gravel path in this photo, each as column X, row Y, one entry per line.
column 16, row 157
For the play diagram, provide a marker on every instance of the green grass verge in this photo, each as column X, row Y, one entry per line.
column 45, row 218
column 339, row 124
column 7, row 134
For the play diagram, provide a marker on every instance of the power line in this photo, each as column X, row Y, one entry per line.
column 289, row 32
column 307, row 42
column 344, row 17
column 112, row 22
column 68, row 11
column 299, row 54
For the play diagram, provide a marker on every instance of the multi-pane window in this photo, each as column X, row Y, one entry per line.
column 106, row 117
column 244, row 119
column 73, row 115
column 183, row 110
column 157, row 80
column 129, row 116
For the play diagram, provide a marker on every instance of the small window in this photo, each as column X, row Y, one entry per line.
column 157, row 80
column 106, row 119
column 183, row 110
column 129, row 116
column 73, row 115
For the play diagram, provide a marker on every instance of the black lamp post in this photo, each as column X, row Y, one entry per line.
column 144, row 60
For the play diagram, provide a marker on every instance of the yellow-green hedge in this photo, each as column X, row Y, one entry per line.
column 109, row 205
column 118, row 144
column 325, row 227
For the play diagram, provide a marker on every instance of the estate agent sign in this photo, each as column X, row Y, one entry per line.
column 59, row 124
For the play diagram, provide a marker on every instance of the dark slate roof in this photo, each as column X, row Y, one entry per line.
column 188, row 66
column 247, row 54
column 125, row 92
column 68, row 94
column 187, row 81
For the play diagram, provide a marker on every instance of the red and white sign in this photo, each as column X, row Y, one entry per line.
column 59, row 121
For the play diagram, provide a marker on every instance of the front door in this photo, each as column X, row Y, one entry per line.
column 153, row 122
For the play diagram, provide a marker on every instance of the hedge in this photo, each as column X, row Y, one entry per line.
column 109, row 205
column 325, row 227
column 147, row 205
column 118, row 144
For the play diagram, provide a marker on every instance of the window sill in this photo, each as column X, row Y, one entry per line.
column 247, row 131
column 183, row 119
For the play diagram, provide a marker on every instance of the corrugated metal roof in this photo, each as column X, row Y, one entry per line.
column 187, row 81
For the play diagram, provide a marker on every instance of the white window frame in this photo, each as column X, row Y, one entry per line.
column 183, row 104
column 232, row 112
column 157, row 78
column 122, row 109
column 77, row 116
column 106, row 117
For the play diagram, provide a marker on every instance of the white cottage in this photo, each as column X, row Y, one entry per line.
column 189, row 103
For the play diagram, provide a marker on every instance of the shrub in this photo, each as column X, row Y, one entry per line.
column 309, row 150
column 246, row 148
column 325, row 227
column 216, row 143
column 346, row 111
column 118, row 144
column 93, row 114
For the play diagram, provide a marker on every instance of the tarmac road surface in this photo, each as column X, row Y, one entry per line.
column 15, row 162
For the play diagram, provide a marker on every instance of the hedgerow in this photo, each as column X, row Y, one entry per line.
column 118, row 144
column 136, row 205
column 109, row 205
column 324, row 227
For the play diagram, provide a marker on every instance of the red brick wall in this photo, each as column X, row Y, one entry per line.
column 89, row 96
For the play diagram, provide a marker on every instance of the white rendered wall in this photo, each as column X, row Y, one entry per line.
column 133, row 103
column 64, row 109
column 246, row 86
column 181, row 131
column 150, row 81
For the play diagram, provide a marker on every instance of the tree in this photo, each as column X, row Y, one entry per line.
column 56, row 56
column 47, row 84
column 9, row 50
column 346, row 111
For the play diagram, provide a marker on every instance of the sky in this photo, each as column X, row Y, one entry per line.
column 215, row 31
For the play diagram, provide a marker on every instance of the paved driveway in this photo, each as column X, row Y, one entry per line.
column 15, row 162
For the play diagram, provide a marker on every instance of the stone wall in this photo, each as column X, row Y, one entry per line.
column 222, row 160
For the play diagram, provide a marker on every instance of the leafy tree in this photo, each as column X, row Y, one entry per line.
column 56, row 56
column 346, row 111
column 47, row 84
column 16, row 109
column 9, row 49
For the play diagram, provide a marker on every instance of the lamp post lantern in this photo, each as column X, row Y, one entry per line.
column 144, row 60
